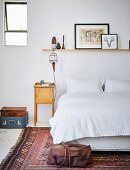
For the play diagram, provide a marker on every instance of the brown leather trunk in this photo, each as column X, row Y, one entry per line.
column 13, row 111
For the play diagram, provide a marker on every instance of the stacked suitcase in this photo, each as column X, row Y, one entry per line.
column 13, row 117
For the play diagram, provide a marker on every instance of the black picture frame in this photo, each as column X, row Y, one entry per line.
column 109, row 41
column 88, row 36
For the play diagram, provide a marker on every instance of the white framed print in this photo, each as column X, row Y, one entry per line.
column 109, row 41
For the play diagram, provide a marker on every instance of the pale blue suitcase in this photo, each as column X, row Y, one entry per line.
column 13, row 122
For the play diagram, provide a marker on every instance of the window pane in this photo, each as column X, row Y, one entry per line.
column 13, row 38
column 17, row 16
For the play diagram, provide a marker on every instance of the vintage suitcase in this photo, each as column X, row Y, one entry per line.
column 13, row 122
column 13, row 111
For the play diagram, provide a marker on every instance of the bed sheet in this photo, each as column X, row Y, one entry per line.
column 81, row 115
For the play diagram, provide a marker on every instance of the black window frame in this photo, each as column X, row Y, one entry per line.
column 6, row 19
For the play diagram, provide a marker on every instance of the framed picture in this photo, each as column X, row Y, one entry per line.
column 89, row 35
column 109, row 41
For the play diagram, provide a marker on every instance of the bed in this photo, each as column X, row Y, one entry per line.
column 88, row 115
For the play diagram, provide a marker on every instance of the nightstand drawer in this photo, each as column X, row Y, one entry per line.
column 44, row 95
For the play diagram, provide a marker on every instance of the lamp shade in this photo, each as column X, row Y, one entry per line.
column 53, row 59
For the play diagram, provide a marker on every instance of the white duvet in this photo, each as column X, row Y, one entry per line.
column 82, row 115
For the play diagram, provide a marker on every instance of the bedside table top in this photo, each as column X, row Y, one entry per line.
column 46, row 85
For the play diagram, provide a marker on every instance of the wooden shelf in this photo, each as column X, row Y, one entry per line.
column 61, row 50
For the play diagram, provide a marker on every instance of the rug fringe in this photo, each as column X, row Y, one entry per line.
column 13, row 147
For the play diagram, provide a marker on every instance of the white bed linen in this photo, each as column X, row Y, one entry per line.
column 81, row 115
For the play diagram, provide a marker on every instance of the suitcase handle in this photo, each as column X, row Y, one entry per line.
column 11, row 121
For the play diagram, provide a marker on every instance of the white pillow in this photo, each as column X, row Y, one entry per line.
column 82, row 85
column 116, row 85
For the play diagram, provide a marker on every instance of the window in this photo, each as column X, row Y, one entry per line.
column 15, row 23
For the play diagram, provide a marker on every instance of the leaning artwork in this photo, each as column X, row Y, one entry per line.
column 90, row 36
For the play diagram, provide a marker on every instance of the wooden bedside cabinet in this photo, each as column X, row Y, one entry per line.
column 43, row 94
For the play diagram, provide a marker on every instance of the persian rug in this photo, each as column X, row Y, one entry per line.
column 30, row 153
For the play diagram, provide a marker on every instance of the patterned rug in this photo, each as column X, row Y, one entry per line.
column 30, row 153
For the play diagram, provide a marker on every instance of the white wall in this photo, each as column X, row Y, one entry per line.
column 20, row 67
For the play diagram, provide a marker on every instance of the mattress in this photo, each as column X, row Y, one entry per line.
column 118, row 143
